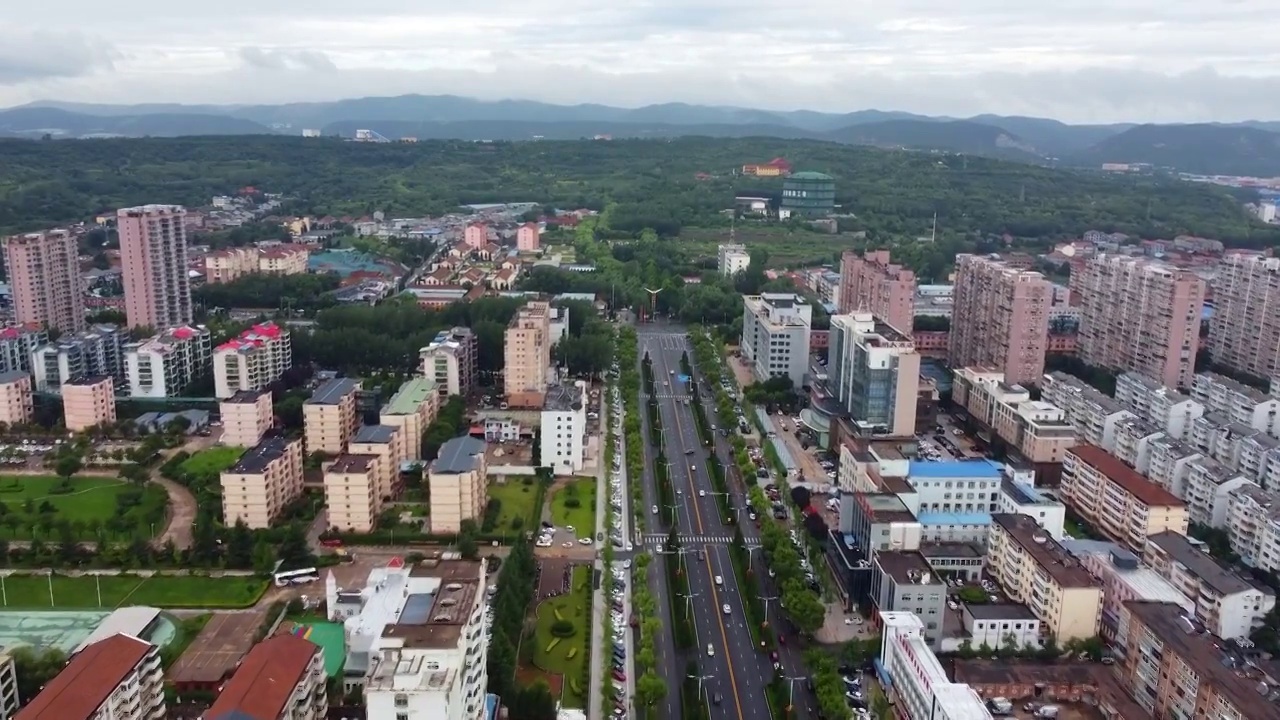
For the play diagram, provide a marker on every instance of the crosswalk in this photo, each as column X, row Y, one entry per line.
column 666, row 341
column 689, row 539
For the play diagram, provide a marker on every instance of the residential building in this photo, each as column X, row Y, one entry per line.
column 807, row 195
column 529, row 237
column 282, row 677
column 1037, row 430
column 457, row 483
column 247, row 416
column 451, row 360
column 1140, row 315
column 870, row 283
column 117, row 677
column 1035, row 570
column 17, row 344
column 165, row 364
column 1174, row 670
column 1207, row 491
column 1123, row 579
column 228, row 264
column 1001, row 625
column 416, row 639
column 16, row 400
column 1224, row 601
column 153, row 255
column 564, row 428
column 1116, row 500
column 1022, row 498
column 953, row 499
column 1244, row 332
column 385, row 442
column 1237, row 402
column 44, row 278
column 1094, row 415
column 775, row 335
column 919, row 687
column 253, row 360
column 874, row 371
column 1166, row 461
column 8, row 685
column 1131, row 439
column 476, row 235
column 96, row 351
column 1254, row 456
column 283, row 260
column 263, row 482
column 1168, row 409
column 88, row 402
column 1000, row 318
column 732, row 259
column 879, row 522
column 330, row 417
column 527, row 354
column 1253, row 526
column 903, row 581
column 351, row 492
column 412, row 409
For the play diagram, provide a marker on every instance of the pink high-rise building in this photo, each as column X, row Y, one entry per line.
column 153, row 252
column 870, row 283
column 528, row 237
column 1000, row 318
column 476, row 235
column 1141, row 315
column 44, row 274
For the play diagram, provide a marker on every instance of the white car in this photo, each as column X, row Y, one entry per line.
column 719, row 580
column 727, row 610
column 568, row 528
column 711, row 651
column 584, row 541
column 626, row 564
column 702, row 493
column 654, row 509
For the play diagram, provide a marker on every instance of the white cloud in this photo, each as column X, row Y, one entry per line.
column 1080, row 60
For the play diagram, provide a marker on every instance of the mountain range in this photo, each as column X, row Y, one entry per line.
column 1248, row 148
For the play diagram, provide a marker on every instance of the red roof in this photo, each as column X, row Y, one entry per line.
column 185, row 333
column 87, row 681
column 269, row 329
column 264, row 683
column 1129, row 480
column 395, row 563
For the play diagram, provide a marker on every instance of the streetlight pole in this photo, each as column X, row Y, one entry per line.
column 791, row 695
column 700, row 679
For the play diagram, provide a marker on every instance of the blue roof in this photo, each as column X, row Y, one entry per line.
column 977, row 468
column 943, row 518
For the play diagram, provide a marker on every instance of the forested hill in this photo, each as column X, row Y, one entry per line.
column 652, row 183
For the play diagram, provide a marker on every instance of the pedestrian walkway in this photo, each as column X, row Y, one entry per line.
column 666, row 341
column 658, row 539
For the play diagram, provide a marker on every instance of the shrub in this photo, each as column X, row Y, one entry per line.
column 572, row 502
column 562, row 629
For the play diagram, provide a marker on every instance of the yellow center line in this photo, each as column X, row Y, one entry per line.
column 724, row 635
column 693, row 490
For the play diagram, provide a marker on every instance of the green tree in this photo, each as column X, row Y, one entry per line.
column 239, row 546
column 35, row 668
column 264, row 557
column 67, row 465
column 650, row 689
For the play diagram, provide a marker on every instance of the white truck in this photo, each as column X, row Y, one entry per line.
column 1000, row 706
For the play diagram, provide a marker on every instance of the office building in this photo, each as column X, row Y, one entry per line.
column 247, row 416
column 807, row 195
column 114, row 678
column 451, row 360
column 88, row 402
column 1038, row 430
column 874, row 371
column 1116, row 500
column 456, row 481
column 1037, row 571
column 870, row 283
column 564, row 428
column 412, row 409
column 16, row 401
column 282, row 677
column 153, row 255
column 879, row 521
column 17, row 344
column 732, row 259
column 1000, row 318
column 44, row 278
column 96, row 351
column 1244, row 332
column 529, row 237
column 918, row 685
column 263, row 482
column 903, row 581
column 527, row 352
column 953, row 499
column 1139, row 315
column 1168, row 409
column 351, row 492
column 1223, row 601
column 1237, row 402
column 775, row 335
column 330, row 416
column 165, row 364
column 386, row 443
column 1019, row 497
column 256, row 358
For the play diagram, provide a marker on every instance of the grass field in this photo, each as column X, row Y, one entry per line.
column 36, row 501
column 211, row 461
column 574, row 606
column 582, row 517
column 518, row 501
column 787, row 248
column 164, row 591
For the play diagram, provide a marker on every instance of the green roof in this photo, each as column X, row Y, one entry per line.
column 410, row 396
column 806, row 175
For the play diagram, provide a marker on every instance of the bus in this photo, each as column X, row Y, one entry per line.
column 296, row 577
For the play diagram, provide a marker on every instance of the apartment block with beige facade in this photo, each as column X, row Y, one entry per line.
column 1035, row 570
column 1116, row 500
column 385, row 442
column 16, row 401
column 330, row 417
column 999, row 318
column 247, row 416
column 527, row 355
column 1038, row 430
column 870, row 283
column 351, row 492
column 228, row 264
column 1244, row 332
column 451, row 359
column 457, row 481
column 44, row 279
column 153, row 256
column 263, row 482
column 1139, row 315
column 412, row 409
column 87, row 402
column 253, row 360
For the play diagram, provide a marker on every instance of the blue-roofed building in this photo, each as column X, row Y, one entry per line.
column 953, row 499
column 457, row 480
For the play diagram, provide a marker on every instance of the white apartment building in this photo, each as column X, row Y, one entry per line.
column 281, row 677
column 451, row 360
column 775, row 335
column 1255, row 456
column 1092, row 413
column 564, row 428
column 1238, row 402
column 919, row 684
column 95, row 352
column 1253, row 526
column 8, row 685
column 416, row 641
column 1166, row 408
column 252, row 361
column 1224, row 601
column 732, row 258
column 1207, row 491
column 1166, row 461
column 1129, row 439
column 115, row 678
column 166, row 363
column 1021, row 498
column 17, row 344
column 246, row 417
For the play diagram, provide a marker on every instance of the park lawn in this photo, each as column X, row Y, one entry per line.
column 786, row 247
column 517, row 502
column 32, row 591
column 213, row 461
column 583, row 517
column 91, row 504
column 574, row 606
column 199, row 591
column 93, row 498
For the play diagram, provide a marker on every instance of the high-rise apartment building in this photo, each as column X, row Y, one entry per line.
column 564, row 428
column 87, row 402
column 776, row 330
column 451, row 359
column 732, row 259
column 246, row 418
column 253, row 360
column 281, row 677
column 1000, row 318
column 870, row 283
column 457, row 484
column 166, row 363
column 1244, row 332
column 96, row 351
column 1139, row 315
column 263, row 482
column 117, row 677
column 17, row 344
column 44, row 276
column 16, row 401
column 153, row 253
column 527, row 351
column 330, row 417
column 412, row 409
column 873, row 369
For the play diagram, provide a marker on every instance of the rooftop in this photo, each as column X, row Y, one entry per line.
column 883, row 508
column 953, row 469
column 951, row 550
column 377, row 434
column 562, row 397
column 257, row 458
column 87, row 680
column 1024, row 494
column 1124, row 476
column 13, row 376
column 246, row 397
column 1054, row 559
column 459, row 455
column 263, row 684
column 809, row 175
column 331, row 392
column 349, row 463
column 907, row 568
column 1199, row 563
column 1000, row 611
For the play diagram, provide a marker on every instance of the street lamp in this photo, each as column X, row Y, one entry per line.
column 700, row 679
column 791, row 695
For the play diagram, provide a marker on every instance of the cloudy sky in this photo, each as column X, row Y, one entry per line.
column 1076, row 60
